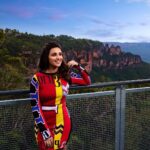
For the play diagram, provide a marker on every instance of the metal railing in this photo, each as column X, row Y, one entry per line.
column 117, row 119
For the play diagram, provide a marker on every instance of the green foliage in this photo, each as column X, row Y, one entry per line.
column 2, row 37
column 141, row 71
column 93, row 123
column 137, row 122
column 12, row 74
column 15, row 47
column 11, row 78
column 16, row 127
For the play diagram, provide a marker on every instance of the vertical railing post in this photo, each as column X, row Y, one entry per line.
column 120, row 118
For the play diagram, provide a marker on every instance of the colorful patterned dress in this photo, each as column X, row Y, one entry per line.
column 48, row 93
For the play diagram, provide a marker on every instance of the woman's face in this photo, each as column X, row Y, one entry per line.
column 55, row 57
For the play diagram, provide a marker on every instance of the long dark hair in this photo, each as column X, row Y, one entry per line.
column 44, row 61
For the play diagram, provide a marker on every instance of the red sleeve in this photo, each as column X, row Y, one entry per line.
column 79, row 76
column 36, row 108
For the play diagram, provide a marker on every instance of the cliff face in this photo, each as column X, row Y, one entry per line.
column 87, row 52
column 106, row 57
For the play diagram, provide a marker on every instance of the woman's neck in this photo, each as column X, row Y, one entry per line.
column 51, row 70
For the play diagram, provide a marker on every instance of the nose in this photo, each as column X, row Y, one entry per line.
column 58, row 57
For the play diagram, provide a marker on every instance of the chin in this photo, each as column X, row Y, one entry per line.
column 57, row 66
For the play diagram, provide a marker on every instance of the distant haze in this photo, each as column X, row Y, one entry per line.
column 142, row 49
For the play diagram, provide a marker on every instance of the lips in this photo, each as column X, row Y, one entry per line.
column 58, row 62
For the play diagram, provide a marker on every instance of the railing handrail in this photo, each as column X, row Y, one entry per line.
column 95, row 85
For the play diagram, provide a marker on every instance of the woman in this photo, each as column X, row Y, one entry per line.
column 48, row 90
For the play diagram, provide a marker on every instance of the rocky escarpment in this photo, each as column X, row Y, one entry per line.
column 105, row 57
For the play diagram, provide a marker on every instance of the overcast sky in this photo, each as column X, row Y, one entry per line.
column 102, row 20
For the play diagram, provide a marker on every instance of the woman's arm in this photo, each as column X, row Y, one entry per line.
column 36, row 108
column 78, row 74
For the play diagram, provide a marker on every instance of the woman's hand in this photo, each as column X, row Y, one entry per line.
column 72, row 63
column 49, row 142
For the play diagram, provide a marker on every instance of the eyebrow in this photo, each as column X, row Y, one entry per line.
column 56, row 53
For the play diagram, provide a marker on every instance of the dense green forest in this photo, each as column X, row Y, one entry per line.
column 20, row 52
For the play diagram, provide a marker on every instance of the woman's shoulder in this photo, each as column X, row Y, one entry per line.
column 36, row 75
column 39, row 73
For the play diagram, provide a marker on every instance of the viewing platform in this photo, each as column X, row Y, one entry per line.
column 105, row 116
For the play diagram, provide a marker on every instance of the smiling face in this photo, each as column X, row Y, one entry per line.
column 55, row 58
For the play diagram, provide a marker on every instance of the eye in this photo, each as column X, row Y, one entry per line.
column 53, row 54
column 60, row 54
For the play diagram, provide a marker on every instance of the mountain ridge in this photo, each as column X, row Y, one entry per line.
column 140, row 48
column 20, row 53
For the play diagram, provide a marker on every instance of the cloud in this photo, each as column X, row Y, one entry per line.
column 140, row 1
column 104, row 35
column 110, row 24
column 118, row 25
column 27, row 12
column 98, row 21
column 137, row 38
column 101, row 33
column 52, row 13
column 143, row 24
column 114, row 30
column 17, row 11
column 117, row 34
column 57, row 16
